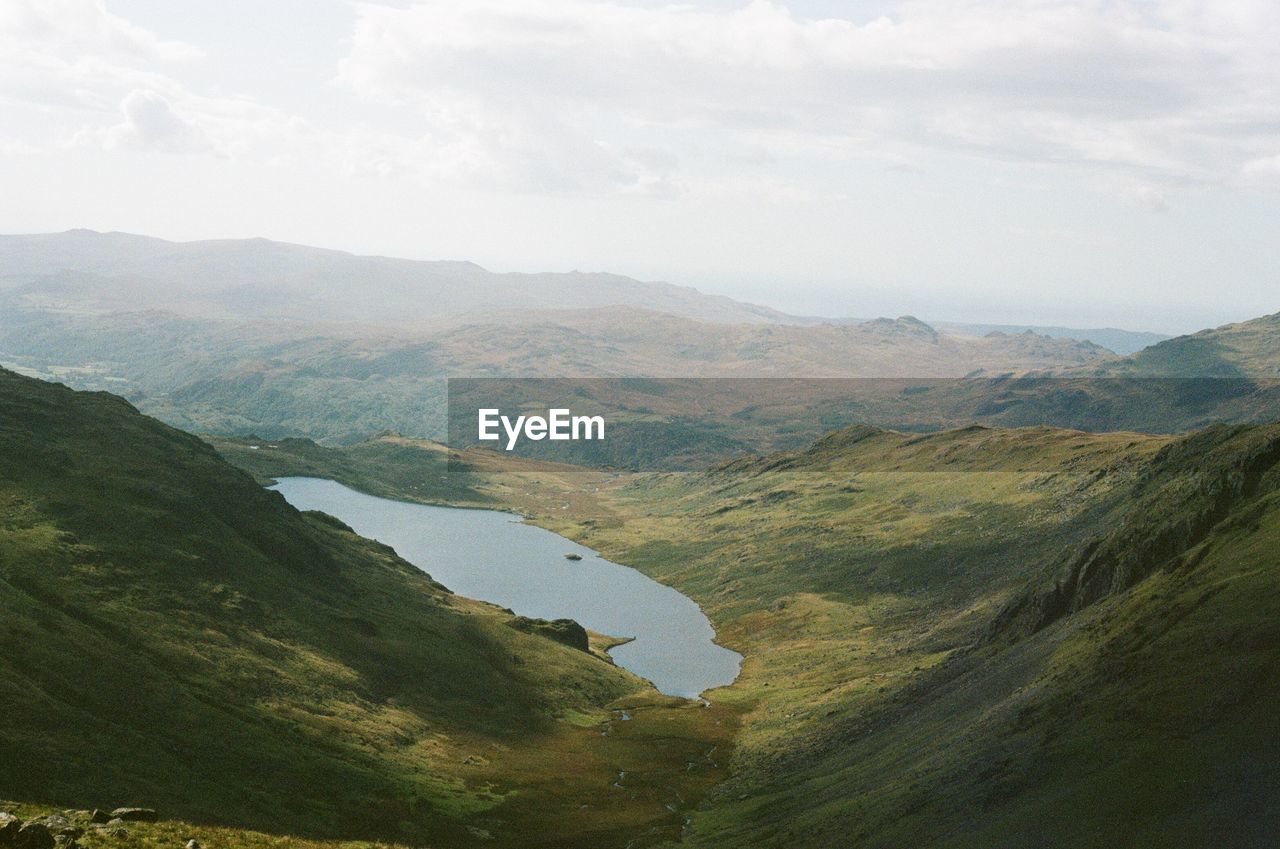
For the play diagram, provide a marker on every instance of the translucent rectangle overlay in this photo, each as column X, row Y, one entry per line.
column 664, row 424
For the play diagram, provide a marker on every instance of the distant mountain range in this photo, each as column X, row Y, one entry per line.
column 261, row 279
column 258, row 336
column 1121, row 341
column 238, row 337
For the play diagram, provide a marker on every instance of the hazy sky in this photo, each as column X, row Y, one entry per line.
column 1048, row 161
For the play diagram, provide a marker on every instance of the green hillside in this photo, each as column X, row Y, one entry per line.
column 978, row 637
column 173, row 635
column 1139, row 709
column 1248, row 349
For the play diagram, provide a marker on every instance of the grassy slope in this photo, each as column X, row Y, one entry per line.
column 1245, row 349
column 174, row 635
column 896, row 691
column 887, row 715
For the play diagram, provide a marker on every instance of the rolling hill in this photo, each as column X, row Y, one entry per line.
column 344, row 383
column 252, row 336
column 1123, row 342
column 257, row 279
column 1247, row 349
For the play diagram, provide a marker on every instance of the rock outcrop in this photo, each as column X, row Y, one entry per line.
column 62, row 831
column 564, row 631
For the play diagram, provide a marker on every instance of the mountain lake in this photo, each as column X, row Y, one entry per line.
column 495, row 557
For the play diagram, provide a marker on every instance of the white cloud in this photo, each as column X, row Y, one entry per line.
column 1262, row 172
column 74, row 55
column 629, row 97
column 84, row 26
column 545, row 90
column 1136, row 193
column 151, row 124
column 101, row 80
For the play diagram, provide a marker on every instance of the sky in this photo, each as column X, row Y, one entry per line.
column 1076, row 162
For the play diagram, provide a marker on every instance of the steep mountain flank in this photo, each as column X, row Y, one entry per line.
column 1140, row 707
column 1190, row 488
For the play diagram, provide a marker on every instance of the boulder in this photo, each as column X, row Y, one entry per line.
column 33, row 835
column 9, row 827
column 99, row 817
column 59, row 824
column 134, row 814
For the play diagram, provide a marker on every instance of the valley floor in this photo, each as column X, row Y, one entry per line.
column 871, row 582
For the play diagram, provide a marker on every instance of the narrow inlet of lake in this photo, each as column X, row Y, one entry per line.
column 494, row 557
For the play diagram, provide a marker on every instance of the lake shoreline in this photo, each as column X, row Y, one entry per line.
column 502, row 558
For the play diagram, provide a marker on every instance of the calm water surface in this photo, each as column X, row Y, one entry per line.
column 493, row 556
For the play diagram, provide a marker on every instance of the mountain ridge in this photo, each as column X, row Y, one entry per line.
column 112, row 254
column 264, row 279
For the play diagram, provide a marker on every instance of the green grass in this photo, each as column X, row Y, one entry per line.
column 887, row 712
